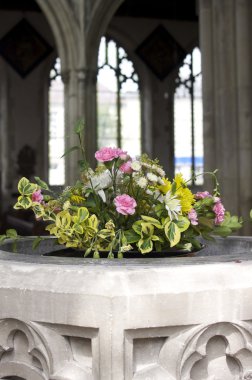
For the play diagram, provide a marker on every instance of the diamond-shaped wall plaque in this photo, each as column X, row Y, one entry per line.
column 161, row 52
column 24, row 48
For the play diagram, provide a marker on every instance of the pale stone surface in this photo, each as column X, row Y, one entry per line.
column 186, row 318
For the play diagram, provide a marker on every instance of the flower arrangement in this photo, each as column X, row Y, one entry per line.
column 127, row 204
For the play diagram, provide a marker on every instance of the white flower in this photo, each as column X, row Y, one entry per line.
column 152, row 177
column 136, row 166
column 142, row 182
column 146, row 165
column 172, row 205
column 102, row 195
column 160, row 181
column 160, row 171
column 101, row 181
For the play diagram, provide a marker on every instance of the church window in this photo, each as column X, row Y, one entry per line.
column 118, row 99
column 56, row 146
column 188, row 119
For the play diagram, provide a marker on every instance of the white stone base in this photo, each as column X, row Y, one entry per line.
column 144, row 319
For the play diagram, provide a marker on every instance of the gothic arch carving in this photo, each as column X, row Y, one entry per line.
column 101, row 14
column 218, row 351
column 60, row 18
column 203, row 352
column 35, row 352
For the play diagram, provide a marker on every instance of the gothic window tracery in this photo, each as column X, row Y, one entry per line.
column 118, row 99
column 56, row 145
column 188, row 119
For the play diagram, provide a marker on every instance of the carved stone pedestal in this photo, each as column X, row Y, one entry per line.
column 182, row 318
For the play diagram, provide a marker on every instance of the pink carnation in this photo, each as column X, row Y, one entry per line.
column 37, row 196
column 109, row 154
column 202, row 195
column 219, row 211
column 125, row 204
column 193, row 217
column 126, row 167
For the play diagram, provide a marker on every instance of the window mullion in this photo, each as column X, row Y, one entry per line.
column 118, row 100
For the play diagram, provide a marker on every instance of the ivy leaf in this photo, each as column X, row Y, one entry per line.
column 24, row 201
column 25, row 187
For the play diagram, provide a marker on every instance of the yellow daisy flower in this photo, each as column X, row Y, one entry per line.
column 166, row 187
column 184, row 194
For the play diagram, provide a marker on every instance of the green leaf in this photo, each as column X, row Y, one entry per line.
column 93, row 222
column 137, row 227
column 36, row 242
column 11, row 233
column 96, row 255
column 24, row 201
column 70, row 150
column 145, row 245
column 131, row 236
column 78, row 229
column 82, row 214
column 2, row 238
column 87, row 252
column 151, row 220
column 172, row 233
column 79, row 126
column 147, row 230
column 206, row 222
column 250, row 214
column 183, row 223
column 25, row 187
column 104, row 233
column 222, row 231
column 232, row 222
column 41, row 183
column 173, row 188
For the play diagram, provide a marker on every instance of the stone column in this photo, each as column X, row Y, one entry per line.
column 219, row 94
column 244, row 92
column 71, row 116
column 206, row 45
column 90, row 114
column 7, row 167
column 225, row 36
